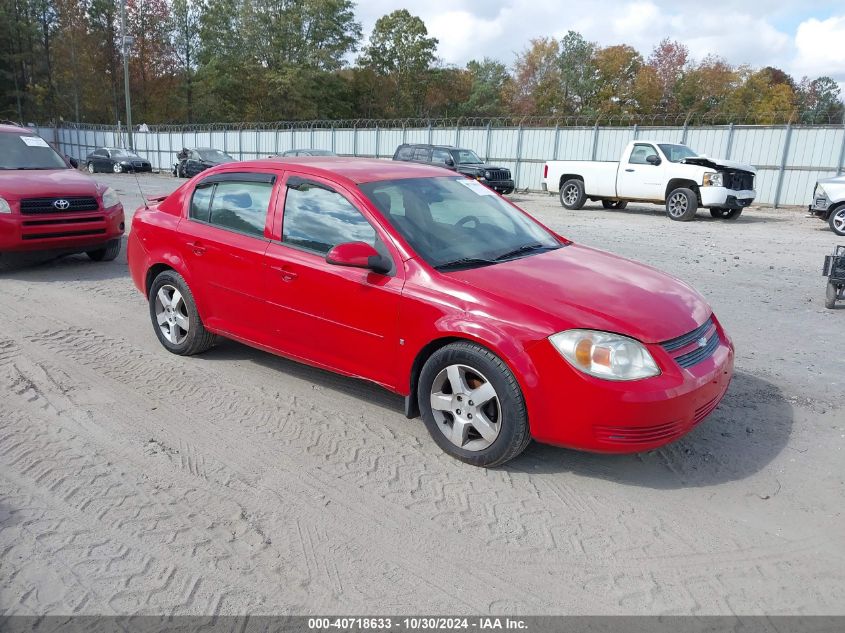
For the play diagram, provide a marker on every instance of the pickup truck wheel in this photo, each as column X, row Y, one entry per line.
column 725, row 214
column 614, row 204
column 681, row 205
column 831, row 295
column 572, row 194
column 837, row 220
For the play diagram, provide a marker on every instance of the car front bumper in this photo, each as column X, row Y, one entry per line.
column 501, row 186
column 66, row 232
column 722, row 197
column 575, row 410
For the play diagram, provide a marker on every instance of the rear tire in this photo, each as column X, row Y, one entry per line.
column 572, row 194
column 725, row 214
column 107, row 254
column 492, row 430
column 617, row 205
column 681, row 204
column 836, row 221
column 91, row 168
column 180, row 330
column 831, row 295
column 116, row 168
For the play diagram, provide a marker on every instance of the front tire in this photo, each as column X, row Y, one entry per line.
column 836, row 221
column 117, row 168
column 725, row 214
column 681, row 205
column 107, row 254
column 831, row 295
column 175, row 318
column 472, row 405
column 617, row 205
column 572, row 194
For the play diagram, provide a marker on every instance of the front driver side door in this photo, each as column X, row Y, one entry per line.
column 638, row 179
column 338, row 317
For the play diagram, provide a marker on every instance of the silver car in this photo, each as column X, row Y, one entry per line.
column 829, row 203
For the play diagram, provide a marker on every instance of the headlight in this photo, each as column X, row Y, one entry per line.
column 713, row 179
column 110, row 198
column 487, row 175
column 4, row 206
column 605, row 355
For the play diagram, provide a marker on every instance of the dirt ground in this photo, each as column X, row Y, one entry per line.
column 135, row 481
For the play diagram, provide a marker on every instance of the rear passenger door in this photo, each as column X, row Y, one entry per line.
column 224, row 237
column 422, row 155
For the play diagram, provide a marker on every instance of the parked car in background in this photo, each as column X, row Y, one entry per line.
column 306, row 152
column 829, row 203
column 463, row 161
column 197, row 160
column 660, row 173
column 116, row 160
column 433, row 286
column 47, row 205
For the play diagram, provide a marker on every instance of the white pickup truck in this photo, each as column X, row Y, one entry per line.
column 662, row 173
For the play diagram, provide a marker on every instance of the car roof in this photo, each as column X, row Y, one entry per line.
column 428, row 145
column 354, row 170
column 15, row 129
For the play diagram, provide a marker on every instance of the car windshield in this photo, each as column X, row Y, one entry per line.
column 320, row 152
column 122, row 153
column 214, row 155
column 455, row 223
column 676, row 153
column 467, row 157
column 27, row 151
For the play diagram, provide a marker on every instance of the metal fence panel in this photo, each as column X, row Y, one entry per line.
column 788, row 158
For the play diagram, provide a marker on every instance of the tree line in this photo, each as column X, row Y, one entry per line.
column 197, row 61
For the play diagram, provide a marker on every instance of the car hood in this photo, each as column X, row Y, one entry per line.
column 715, row 163
column 833, row 180
column 38, row 183
column 475, row 167
column 577, row 286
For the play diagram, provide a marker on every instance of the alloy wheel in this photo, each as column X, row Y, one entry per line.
column 172, row 314
column 466, row 407
column 678, row 204
column 838, row 221
column 570, row 194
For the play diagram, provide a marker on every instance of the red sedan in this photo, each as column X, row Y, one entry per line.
column 494, row 328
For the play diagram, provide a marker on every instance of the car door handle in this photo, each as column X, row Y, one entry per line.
column 285, row 273
column 630, row 170
column 198, row 247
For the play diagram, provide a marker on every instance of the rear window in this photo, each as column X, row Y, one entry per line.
column 405, row 153
column 28, row 151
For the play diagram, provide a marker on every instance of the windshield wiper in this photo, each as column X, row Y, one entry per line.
column 465, row 262
column 525, row 248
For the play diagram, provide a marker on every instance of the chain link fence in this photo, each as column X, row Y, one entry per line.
column 789, row 153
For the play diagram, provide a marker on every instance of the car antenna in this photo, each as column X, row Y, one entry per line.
column 138, row 182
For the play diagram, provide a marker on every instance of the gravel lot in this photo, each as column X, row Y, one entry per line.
column 132, row 480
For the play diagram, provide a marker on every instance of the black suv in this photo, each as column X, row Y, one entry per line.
column 463, row 161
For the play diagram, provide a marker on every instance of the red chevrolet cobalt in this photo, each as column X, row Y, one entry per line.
column 494, row 328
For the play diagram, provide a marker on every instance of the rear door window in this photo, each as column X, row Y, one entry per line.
column 440, row 155
column 241, row 206
column 422, row 154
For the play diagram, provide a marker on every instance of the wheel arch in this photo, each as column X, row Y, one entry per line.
column 565, row 177
column 678, row 183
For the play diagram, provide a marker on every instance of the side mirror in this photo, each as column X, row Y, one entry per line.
column 450, row 162
column 72, row 162
column 653, row 159
column 358, row 255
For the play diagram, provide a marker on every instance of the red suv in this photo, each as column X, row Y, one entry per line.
column 47, row 205
column 492, row 326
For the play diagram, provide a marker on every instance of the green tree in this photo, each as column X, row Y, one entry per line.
column 185, row 34
column 578, row 72
column 489, row 80
column 536, row 86
column 618, row 67
column 668, row 60
column 820, row 101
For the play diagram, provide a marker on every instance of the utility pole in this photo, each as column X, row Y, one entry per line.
column 126, row 42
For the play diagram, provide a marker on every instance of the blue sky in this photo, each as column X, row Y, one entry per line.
column 802, row 37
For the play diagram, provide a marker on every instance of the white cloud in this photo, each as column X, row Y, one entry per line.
column 757, row 34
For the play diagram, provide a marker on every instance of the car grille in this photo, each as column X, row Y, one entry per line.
column 687, row 349
column 43, row 236
column 738, row 180
column 639, row 434
column 499, row 174
column 76, row 204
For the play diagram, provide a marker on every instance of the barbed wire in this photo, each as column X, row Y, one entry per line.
column 690, row 119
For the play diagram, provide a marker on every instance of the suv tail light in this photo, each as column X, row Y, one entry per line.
column 546, row 170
